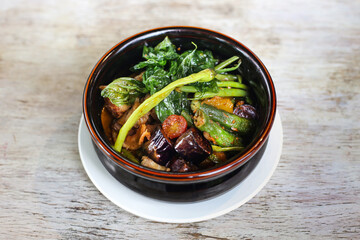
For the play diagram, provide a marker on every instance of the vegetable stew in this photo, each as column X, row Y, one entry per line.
column 179, row 111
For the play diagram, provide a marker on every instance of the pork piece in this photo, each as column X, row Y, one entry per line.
column 159, row 148
column 134, row 142
column 116, row 111
column 141, row 120
column 147, row 162
column 115, row 128
column 144, row 131
column 192, row 146
column 180, row 165
column 245, row 111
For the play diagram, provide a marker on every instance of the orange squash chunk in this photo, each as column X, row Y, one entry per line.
column 223, row 103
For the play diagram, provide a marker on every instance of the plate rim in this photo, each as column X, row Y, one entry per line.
column 93, row 176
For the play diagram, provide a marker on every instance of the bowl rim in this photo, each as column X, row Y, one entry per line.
column 157, row 175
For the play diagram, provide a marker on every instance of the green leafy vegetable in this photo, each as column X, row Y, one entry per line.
column 175, row 103
column 211, row 86
column 124, row 91
column 193, row 61
column 156, row 78
column 157, row 56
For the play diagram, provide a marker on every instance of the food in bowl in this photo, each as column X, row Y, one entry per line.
column 174, row 186
column 180, row 110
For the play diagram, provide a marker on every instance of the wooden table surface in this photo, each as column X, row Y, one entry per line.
column 47, row 50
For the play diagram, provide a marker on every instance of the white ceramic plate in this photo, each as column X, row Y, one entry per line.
column 163, row 211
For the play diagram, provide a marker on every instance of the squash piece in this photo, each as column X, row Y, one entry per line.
column 223, row 103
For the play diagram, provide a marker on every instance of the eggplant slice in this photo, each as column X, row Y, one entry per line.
column 159, row 148
column 192, row 146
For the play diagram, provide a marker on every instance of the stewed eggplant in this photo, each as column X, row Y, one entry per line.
column 192, row 146
column 159, row 148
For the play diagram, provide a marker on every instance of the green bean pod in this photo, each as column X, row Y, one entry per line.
column 223, row 92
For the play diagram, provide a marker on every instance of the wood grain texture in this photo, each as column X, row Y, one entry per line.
column 47, row 50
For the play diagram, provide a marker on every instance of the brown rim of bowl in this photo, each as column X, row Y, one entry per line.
column 180, row 177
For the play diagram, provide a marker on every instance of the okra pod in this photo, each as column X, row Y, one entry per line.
column 218, row 135
column 243, row 126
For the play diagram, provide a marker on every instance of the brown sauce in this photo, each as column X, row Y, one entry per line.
column 106, row 120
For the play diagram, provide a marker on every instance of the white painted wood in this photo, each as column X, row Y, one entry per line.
column 47, row 50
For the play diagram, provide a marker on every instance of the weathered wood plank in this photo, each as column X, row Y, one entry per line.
column 48, row 48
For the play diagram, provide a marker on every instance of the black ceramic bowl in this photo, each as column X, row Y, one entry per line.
column 182, row 187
